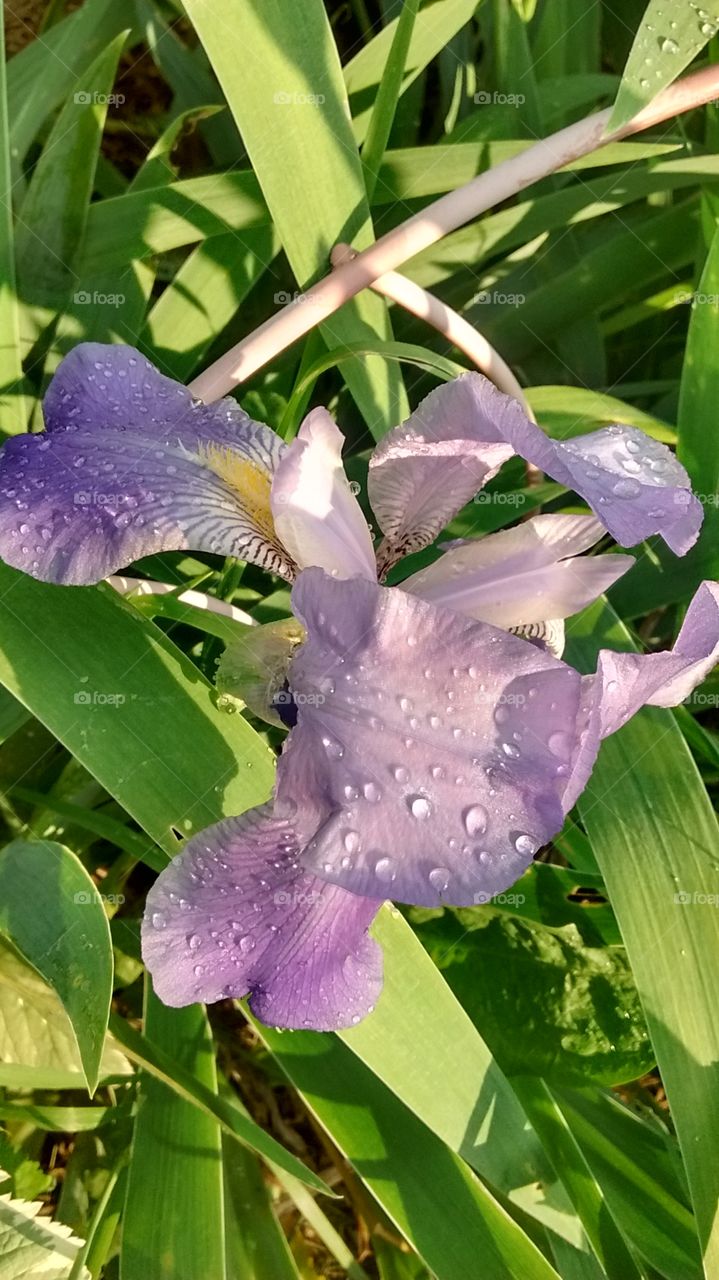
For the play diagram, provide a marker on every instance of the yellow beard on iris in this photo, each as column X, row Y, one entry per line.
column 251, row 484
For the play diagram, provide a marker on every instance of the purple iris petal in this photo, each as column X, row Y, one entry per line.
column 316, row 514
column 131, row 465
column 423, row 472
column 235, row 913
column 437, row 746
column 625, row 682
column 522, row 575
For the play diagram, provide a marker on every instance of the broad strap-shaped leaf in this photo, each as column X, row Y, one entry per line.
column 278, row 65
column 12, row 406
column 48, row 247
column 173, row 1219
column 655, row 837
column 671, row 33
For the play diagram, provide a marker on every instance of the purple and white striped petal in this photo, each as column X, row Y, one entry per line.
column 236, row 914
column 130, row 465
column 437, row 746
column 317, row 516
column 634, row 484
column 522, row 575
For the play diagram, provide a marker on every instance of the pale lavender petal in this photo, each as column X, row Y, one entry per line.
column 523, row 575
column 625, row 682
column 235, row 914
column 317, row 516
column 424, row 472
column 437, row 745
column 635, row 485
column 129, row 466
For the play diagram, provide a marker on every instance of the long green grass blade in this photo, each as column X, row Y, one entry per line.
column 655, row 837
column 268, row 61
column 174, row 1216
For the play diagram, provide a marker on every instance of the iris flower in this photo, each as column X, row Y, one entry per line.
column 438, row 739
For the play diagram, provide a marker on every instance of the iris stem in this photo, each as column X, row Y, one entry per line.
column 419, row 302
column 437, row 220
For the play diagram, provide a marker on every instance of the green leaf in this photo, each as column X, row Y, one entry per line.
column 49, row 234
column 586, row 1194
column 158, row 1062
column 421, row 357
column 64, row 53
column 14, row 411
column 51, row 911
column 577, row 1005
column 273, row 66
column 636, row 1163
column 435, row 25
column 444, row 1212
column 655, row 838
column 698, row 445
column 204, row 295
column 670, row 35
column 385, row 105
column 132, row 708
column 38, row 1047
column 570, row 411
column 175, row 1173
column 255, row 1243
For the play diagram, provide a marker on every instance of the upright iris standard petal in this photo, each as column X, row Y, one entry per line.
column 130, row 465
column 424, row 472
column 316, row 514
column 437, row 746
column 236, row 914
column 624, row 682
column 526, row 574
column 634, row 484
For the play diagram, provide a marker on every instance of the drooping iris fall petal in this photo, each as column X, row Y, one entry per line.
column 436, row 746
column 625, row 682
column 440, row 752
column 130, row 465
column 235, row 914
column 423, row 472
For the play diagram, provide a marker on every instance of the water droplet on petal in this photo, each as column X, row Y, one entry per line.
column 384, row 870
column 419, row 806
column 475, row 819
column 524, row 844
column 439, row 879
